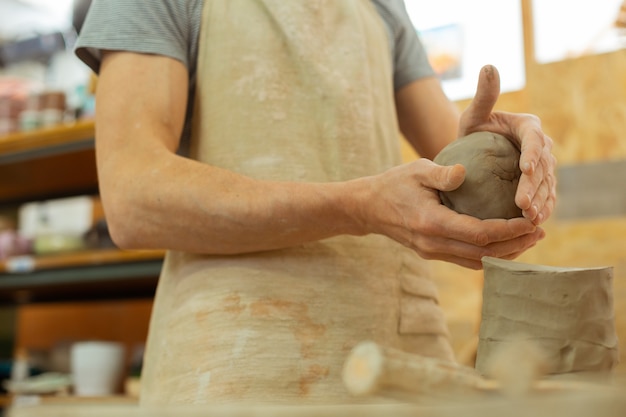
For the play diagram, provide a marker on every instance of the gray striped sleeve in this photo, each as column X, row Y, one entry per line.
column 164, row 27
column 171, row 28
column 409, row 56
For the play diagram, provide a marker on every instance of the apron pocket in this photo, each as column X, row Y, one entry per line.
column 421, row 315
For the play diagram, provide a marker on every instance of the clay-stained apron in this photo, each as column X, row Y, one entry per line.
column 299, row 91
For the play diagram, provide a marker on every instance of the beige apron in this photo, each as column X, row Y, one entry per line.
column 301, row 91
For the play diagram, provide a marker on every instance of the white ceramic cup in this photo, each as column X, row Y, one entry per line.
column 97, row 368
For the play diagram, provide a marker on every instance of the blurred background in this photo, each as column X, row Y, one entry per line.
column 62, row 280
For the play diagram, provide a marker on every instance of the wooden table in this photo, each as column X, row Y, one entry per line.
column 608, row 404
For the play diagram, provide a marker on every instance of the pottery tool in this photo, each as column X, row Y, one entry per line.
column 375, row 370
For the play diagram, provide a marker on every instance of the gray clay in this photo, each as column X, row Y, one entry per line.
column 492, row 169
column 568, row 313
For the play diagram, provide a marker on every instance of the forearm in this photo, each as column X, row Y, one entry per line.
column 154, row 198
column 190, row 206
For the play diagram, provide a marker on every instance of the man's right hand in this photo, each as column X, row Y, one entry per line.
column 404, row 205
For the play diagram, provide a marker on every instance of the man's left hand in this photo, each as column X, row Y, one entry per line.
column 536, row 192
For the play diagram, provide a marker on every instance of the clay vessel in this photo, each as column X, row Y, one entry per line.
column 567, row 312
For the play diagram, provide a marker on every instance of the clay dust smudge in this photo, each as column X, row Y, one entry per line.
column 304, row 329
column 314, row 374
column 232, row 304
column 201, row 316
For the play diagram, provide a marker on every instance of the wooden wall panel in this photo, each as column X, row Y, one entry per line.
column 592, row 190
column 582, row 103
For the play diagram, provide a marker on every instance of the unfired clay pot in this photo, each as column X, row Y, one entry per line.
column 565, row 312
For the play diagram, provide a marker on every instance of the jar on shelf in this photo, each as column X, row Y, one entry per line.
column 8, row 115
column 30, row 116
column 53, row 108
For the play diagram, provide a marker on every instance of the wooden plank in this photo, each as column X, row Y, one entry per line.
column 582, row 105
column 591, row 190
column 602, row 405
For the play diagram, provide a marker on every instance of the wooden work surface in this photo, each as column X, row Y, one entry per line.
column 552, row 406
column 601, row 396
column 604, row 397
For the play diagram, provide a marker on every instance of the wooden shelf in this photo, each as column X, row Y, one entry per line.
column 84, row 275
column 48, row 163
column 17, row 147
column 27, row 264
column 59, row 162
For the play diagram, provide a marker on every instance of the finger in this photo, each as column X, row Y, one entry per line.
column 527, row 187
column 463, row 228
column 534, row 144
column 474, row 260
column 539, row 201
column 487, row 93
column 516, row 246
column 547, row 210
column 517, row 254
column 551, row 178
column 444, row 178
column 476, row 263
column 437, row 247
column 534, row 189
column 543, row 201
column 501, row 230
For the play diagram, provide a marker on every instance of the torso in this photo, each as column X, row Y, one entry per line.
column 172, row 28
column 280, row 101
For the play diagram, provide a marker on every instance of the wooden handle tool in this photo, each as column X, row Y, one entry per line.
column 371, row 369
column 375, row 370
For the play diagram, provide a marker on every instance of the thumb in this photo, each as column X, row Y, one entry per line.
column 445, row 178
column 487, row 93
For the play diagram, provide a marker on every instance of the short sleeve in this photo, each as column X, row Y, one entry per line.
column 163, row 27
column 409, row 55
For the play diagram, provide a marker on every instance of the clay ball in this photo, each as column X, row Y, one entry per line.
column 492, row 169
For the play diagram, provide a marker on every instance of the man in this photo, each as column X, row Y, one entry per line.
column 292, row 230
